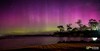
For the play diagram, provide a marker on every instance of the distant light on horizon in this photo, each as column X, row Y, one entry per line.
column 94, row 38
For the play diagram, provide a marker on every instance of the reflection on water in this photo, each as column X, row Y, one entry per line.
column 42, row 40
column 38, row 40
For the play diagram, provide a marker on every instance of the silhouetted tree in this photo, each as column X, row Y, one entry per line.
column 93, row 24
column 69, row 28
column 79, row 22
column 90, row 23
column 61, row 28
column 75, row 29
column 84, row 27
column 99, row 27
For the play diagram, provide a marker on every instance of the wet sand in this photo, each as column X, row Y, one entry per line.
column 57, row 47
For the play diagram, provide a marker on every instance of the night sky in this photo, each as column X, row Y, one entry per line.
column 25, row 16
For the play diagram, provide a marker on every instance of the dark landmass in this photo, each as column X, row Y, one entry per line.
column 86, row 33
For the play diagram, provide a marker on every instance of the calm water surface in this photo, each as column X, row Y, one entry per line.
column 38, row 40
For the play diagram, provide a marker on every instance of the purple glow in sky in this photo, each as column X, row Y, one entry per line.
column 44, row 15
